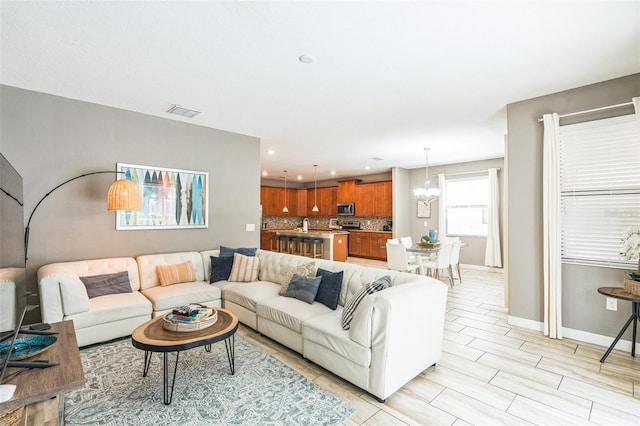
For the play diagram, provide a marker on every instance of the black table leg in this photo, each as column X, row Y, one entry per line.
column 168, row 394
column 147, row 363
column 635, row 317
column 229, row 343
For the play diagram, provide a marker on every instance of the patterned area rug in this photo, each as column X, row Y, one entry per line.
column 262, row 391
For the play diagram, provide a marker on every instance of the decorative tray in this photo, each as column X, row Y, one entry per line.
column 169, row 323
column 26, row 347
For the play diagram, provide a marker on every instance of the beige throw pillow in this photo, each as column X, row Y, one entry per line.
column 174, row 274
column 245, row 268
column 307, row 269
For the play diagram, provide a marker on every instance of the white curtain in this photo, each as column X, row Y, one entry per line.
column 492, row 256
column 551, row 227
column 442, row 207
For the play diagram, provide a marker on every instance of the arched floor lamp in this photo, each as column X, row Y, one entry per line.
column 123, row 194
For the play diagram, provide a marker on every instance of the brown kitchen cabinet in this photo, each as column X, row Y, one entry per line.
column 346, row 192
column 368, row 244
column 373, row 199
column 265, row 239
column 327, row 201
column 273, row 200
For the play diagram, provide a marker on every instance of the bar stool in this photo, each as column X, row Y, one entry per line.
column 285, row 246
column 296, row 245
column 318, row 247
column 275, row 243
column 307, row 244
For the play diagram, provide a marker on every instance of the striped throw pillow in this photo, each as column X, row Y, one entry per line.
column 174, row 274
column 367, row 289
column 245, row 268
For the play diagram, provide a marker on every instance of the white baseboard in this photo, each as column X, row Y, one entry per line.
column 570, row 333
column 482, row 268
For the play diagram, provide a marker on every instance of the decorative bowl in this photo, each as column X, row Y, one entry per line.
column 26, row 347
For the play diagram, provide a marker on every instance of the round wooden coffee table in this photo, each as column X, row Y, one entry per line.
column 152, row 337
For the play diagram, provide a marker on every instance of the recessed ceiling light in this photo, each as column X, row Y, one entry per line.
column 367, row 167
column 270, row 151
column 306, row 59
column 183, row 111
column 299, row 177
column 333, row 172
column 265, row 173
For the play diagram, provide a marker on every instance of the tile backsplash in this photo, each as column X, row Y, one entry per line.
column 322, row 222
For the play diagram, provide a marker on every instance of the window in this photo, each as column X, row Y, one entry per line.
column 467, row 206
column 599, row 189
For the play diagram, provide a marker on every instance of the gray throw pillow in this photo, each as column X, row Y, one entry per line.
column 101, row 285
column 367, row 289
column 303, row 288
column 245, row 251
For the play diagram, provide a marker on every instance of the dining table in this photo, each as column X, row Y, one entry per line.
column 428, row 251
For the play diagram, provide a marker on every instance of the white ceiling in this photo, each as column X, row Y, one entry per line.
column 389, row 77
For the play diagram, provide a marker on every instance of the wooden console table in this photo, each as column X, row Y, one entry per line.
column 40, row 390
column 619, row 293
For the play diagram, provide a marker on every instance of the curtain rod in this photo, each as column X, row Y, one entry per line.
column 591, row 110
column 469, row 173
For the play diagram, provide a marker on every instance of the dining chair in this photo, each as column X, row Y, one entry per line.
column 441, row 262
column 406, row 241
column 397, row 259
column 393, row 241
column 455, row 260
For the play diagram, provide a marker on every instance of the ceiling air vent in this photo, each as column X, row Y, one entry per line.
column 185, row 112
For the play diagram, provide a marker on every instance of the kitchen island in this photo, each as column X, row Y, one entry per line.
column 335, row 241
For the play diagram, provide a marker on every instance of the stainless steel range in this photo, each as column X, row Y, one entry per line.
column 350, row 225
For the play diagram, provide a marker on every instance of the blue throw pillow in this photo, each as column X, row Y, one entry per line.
column 229, row 252
column 220, row 268
column 330, row 286
column 303, row 288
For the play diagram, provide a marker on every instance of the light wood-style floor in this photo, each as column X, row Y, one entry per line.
column 492, row 373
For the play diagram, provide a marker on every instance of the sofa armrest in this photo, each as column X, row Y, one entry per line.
column 61, row 293
column 404, row 327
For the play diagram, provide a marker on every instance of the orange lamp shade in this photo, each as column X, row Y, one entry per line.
column 124, row 195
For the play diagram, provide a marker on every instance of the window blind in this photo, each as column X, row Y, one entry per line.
column 599, row 189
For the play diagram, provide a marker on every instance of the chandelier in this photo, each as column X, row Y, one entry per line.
column 426, row 194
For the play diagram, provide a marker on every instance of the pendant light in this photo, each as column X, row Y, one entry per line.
column 285, row 209
column 426, row 194
column 315, row 208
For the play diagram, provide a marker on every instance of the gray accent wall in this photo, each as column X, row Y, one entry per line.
column 583, row 308
column 50, row 139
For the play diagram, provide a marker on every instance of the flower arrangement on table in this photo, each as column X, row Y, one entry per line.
column 631, row 250
column 631, row 245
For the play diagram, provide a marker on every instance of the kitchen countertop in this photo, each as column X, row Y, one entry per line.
column 322, row 231
column 311, row 232
column 368, row 230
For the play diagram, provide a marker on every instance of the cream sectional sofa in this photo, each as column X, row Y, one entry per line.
column 395, row 334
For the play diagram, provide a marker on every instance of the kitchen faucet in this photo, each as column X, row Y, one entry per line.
column 305, row 225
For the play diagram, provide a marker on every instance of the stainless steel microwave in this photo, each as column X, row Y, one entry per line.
column 347, row 209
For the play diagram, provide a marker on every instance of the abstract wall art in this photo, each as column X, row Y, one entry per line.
column 171, row 198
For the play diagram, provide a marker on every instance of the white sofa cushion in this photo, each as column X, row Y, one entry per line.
column 147, row 266
column 248, row 295
column 326, row 331
column 289, row 312
column 112, row 308
column 275, row 267
column 168, row 297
